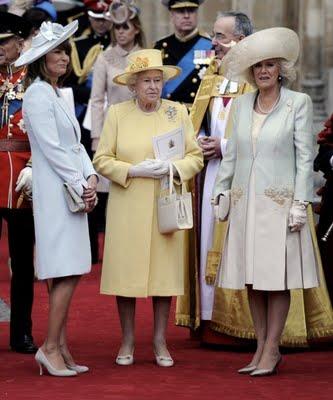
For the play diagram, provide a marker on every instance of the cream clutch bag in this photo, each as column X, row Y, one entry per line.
column 224, row 206
column 174, row 211
column 74, row 201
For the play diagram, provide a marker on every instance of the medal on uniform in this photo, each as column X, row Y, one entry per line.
column 203, row 57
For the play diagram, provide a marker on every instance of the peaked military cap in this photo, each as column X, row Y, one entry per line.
column 174, row 4
column 11, row 25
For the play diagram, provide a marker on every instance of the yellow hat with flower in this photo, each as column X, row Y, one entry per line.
column 145, row 60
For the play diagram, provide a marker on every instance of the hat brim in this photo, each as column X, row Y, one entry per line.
column 93, row 14
column 262, row 45
column 34, row 54
column 169, row 72
column 6, row 35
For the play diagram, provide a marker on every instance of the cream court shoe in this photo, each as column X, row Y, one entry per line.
column 163, row 361
column 125, row 360
column 43, row 362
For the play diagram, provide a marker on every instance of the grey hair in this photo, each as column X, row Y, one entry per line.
column 131, row 81
column 243, row 24
column 287, row 73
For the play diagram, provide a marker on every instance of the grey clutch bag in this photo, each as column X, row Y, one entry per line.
column 74, row 201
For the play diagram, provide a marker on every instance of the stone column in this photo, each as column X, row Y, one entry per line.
column 312, row 28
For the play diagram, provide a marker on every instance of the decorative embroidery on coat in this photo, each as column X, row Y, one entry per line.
column 280, row 196
column 236, row 194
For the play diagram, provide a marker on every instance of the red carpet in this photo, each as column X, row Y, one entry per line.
column 199, row 373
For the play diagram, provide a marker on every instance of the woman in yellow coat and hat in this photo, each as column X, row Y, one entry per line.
column 139, row 261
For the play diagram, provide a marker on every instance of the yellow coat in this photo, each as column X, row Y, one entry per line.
column 138, row 260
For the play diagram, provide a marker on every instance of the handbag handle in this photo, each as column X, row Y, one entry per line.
column 172, row 188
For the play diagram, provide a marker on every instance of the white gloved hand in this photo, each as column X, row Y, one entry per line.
column 149, row 169
column 297, row 216
column 24, row 181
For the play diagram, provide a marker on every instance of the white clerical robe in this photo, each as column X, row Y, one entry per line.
column 219, row 120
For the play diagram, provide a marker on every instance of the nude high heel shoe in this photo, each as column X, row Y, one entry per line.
column 247, row 370
column 80, row 369
column 42, row 361
column 266, row 372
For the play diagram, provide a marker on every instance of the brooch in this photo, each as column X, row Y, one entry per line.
column 171, row 113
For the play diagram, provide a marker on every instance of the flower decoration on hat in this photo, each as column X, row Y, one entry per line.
column 139, row 63
column 48, row 31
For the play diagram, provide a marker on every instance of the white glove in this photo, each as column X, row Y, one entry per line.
column 297, row 216
column 24, row 181
column 149, row 169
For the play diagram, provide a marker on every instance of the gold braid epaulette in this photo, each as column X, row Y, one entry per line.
column 88, row 63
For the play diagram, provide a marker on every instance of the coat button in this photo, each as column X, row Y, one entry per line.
column 192, row 94
column 168, row 96
column 194, row 80
column 166, row 55
column 165, row 44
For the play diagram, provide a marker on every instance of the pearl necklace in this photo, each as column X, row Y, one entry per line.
column 271, row 109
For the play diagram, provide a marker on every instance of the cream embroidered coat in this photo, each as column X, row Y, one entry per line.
column 138, row 260
column 282, row 165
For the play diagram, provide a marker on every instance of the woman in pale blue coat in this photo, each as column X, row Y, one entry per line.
column 266, row 177
column 62, row 239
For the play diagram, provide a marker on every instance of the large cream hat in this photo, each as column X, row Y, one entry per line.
column 145, row 60
column 49, row 37
column 262, row 45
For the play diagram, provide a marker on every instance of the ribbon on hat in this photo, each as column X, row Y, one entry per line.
column 48, row 32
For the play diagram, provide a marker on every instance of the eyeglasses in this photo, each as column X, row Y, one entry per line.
column 124, row 26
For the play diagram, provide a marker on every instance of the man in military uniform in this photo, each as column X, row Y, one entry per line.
column 186, row 48
column 14, row 157
column 85, row 51
column 210, row 117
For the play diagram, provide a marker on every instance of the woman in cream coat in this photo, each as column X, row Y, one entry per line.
column 127, row 36
column 267, row 175
column 62, row 240
column 138, row 260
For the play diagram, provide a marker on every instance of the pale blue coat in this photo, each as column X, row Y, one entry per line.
column 62, row 238
column 282, row 164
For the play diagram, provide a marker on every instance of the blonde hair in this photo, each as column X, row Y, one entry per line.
column 287, row 73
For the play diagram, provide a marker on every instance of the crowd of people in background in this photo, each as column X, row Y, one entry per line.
column 101, row 131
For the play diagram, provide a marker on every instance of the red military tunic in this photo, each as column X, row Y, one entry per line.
column 14, row 143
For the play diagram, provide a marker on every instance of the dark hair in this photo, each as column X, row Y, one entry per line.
column 243, row 24
column 139, row 39
column 36, row 17
column 38, row 68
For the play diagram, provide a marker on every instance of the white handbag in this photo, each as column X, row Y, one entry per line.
column 174, row 211
column 224, row 206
